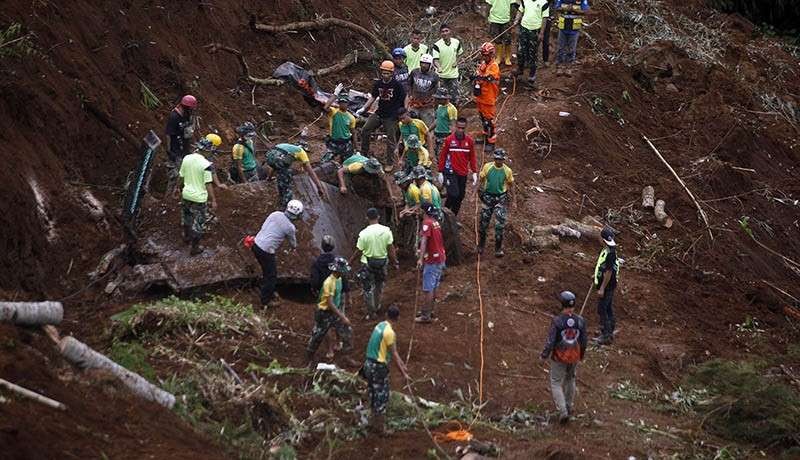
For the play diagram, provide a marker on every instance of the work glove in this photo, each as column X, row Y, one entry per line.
column 441, row 178
column 338, row 89
column 474, row 179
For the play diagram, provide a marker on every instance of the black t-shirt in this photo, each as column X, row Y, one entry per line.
column 178, row 145
column 391, row 97
column 320, row 272
column 610, row 262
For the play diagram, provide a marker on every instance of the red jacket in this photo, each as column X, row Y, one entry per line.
column 460, row 153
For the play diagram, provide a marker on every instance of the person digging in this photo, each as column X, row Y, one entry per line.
column 276, row 227
column 330, row 313
column 496, row 180
column 565, row 347
column 357, row 164
column 424, row 192
column 431, row 261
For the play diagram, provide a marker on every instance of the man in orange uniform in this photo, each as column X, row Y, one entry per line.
column 486, row 90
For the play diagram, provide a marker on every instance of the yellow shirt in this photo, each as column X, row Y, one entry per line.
column 496, row 180
column 380, row 342
column 331, row 289
column 423, row 155
column 417, row 127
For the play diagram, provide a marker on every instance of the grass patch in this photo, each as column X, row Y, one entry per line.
column 132, row 356
column 747, row 405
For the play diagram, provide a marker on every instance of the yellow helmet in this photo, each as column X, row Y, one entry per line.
column 215, row 140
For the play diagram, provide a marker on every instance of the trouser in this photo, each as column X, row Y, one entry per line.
column 451, row 85
column 493, row 205
column 546, row 40
column 338, row 149
column 425, row 112
column 562, row 385
column 487, row 114
column 285, row 181
column 439, row 139
column 193, row 219
column 390, row 128
column 377, row 375
column 605, row 311
column 567, row 46
column 456, row 187
column 324, row 320
column 528, row 49
column 250, row 175
column 372, row 280
column 496, row 29
column 269, row 273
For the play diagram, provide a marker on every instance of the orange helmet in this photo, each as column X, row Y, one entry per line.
column 388, row 66
column 487, row 49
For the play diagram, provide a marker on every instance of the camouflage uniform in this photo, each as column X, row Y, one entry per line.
column 493, row 204
column 377, row 375
column 323, row 321
column 337, row 150
column 193, row 218
column 281, row 163
column 372, row 280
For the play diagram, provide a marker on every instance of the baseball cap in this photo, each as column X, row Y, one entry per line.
column 608, row 236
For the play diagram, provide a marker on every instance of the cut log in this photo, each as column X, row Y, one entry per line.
column 563, row 230
column 648, row 197
column 542, row 242
column 323, row 23
column 32, row 313
column 32, row 395
column 661, row 215
column 590, row 232
column 79, row 354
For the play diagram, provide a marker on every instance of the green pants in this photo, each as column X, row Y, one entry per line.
column 193, row 218
column 493, row 205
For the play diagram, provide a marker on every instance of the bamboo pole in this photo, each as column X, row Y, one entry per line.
column 32, row 395
column 32, row 313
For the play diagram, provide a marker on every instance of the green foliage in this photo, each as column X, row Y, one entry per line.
column 132, row 356
column 216, row 314
column 149, row 100
column 748, row 406
column 14, row 43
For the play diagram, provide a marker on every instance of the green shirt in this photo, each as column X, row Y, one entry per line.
column 417, row 127
column 373, row 242
column 341, row 124
column 380, row 343
column 496, row 179
column 445, row 114
column 331, row 289
column 355, row 158
column 245, row 152
column 448, row 57
column 195, row 177
column 500, row 11
column 533, row 12
column 412, row 57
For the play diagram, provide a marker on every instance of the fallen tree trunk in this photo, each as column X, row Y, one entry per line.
column 346, row 62
column 587, row 231
column 661, row 214
column 79, row 354
column 32, row 395
column 32, row 313
column 323, row 23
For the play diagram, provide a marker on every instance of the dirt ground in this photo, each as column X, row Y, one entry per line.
column 680, row 295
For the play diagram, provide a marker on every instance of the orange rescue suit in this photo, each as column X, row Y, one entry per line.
column 489, row 90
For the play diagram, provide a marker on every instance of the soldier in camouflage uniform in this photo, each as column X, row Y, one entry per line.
column 280, row 160
column 495, row 181
column 374, row 247
column 381, row 349
column 330, row 312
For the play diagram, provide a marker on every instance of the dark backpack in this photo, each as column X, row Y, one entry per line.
column 568, row 345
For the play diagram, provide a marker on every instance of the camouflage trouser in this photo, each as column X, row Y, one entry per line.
column 338, row 150
column 493, row 204
column 323, row 321
column 377, row 375
column 285, row 180
column 193, row 218
column 439, row 138
column 372, row 280
column 528, row 49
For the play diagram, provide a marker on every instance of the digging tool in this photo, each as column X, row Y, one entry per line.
column 588, row 293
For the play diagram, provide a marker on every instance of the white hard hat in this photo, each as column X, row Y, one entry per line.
column 294, row 207
column 426, row 58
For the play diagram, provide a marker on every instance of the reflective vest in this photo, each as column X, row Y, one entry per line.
column 598, row 276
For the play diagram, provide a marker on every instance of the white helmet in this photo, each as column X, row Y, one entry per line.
column 426, row 59
column 294, row 208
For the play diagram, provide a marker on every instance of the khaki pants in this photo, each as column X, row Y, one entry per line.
column 562, row 385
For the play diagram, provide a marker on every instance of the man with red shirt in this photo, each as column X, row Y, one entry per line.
column 431, row 259
column 456, row 160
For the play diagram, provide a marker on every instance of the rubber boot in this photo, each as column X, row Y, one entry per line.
column 500, row 50
column 498, row 247
column 507, row 49
column 481, row 242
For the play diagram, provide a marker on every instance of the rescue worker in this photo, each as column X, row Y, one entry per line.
column 530, row 17
column 499, row 21
column 570, row 22
column 180, row 129
column 409, row 125
column 486, row 90
column 244, row 167
column 423, row 84
column 415, row 50
column 374, row 247
column 280, row 160
column 320, row 270
column 195, row 180
column 424, row 191
column 330, row 313
column 410, row 191
column 548, row 24
column 401, row 71
column 356, row 164
column 431, row 260
column 341, row 141
column 445, row 117
column 415, row 154
column 605, row 281
column 381, row 349
column 456, row 161
column 445, row 54
column 496, row 180
column 276, row 227
column 391, row 96
column 566, row 347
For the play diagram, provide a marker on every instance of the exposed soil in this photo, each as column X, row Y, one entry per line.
column 680, row 294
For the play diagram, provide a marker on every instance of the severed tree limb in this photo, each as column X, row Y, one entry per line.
column 683, row 184
column 322, row 23
column 32, row 395
column 346, row 62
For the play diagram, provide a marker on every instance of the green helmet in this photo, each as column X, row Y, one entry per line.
column 372, row 166
column 339, row 265
column 413, row 142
